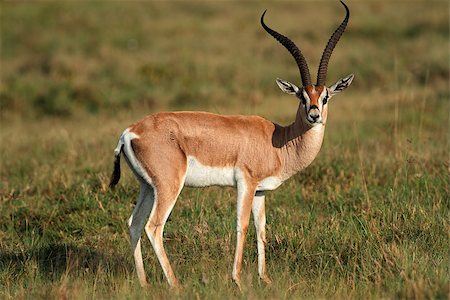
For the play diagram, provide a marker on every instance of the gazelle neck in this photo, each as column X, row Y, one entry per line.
column 298, row 143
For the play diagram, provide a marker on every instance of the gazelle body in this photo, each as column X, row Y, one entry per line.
column 169, row 150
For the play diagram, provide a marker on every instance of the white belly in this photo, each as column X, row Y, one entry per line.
column 198, row 175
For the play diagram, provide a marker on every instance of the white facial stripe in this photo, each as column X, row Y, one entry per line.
column 307, row 102
column 323, row 96
column 306, row 96
column 314, row 114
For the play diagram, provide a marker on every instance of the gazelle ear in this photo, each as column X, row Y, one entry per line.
column 341, row 84
column 287, row 87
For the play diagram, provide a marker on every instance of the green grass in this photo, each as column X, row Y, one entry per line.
column 368, row 219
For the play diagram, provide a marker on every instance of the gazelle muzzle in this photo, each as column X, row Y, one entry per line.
column 314, row 115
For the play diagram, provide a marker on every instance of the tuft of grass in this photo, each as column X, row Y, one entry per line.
column 368, row 219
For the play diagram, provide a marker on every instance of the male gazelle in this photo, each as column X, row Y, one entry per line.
column 169, row 150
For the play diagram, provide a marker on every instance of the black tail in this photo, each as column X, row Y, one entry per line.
column 115, row 176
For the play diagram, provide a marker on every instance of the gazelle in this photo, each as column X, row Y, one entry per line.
column 169, row 150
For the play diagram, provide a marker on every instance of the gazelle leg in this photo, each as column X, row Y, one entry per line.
column 144, row 204
column 244, row 205
column 164, row 201
column 259, row 217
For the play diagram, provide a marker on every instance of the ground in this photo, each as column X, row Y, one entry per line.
column 368, row 218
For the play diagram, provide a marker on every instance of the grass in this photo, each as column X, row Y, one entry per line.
column 368, row 219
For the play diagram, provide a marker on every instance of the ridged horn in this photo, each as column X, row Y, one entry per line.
column 323, row 67
column 293, row 49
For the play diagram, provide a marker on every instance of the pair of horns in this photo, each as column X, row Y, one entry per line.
column 300, row 59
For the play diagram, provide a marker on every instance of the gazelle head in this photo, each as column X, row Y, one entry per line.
column 313, row 97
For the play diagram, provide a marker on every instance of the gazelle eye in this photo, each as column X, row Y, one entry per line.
column 325, row 100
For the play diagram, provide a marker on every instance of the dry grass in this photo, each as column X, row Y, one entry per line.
column 368, row 219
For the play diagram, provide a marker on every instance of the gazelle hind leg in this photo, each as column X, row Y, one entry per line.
column 245, row 193
column 136, row 223
column 164, row 202
column 259, row 217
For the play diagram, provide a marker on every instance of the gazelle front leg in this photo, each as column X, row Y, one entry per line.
column 245, row 192
column 259, row 217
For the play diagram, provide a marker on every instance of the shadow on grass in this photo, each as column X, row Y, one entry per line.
column 54, row 260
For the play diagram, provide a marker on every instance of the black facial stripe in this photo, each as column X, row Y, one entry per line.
column 301, row 96
column 325, row 99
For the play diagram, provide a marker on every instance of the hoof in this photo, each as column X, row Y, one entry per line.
column 175, row 286
column 144, row 284
column 266, row 280
column 237, row 281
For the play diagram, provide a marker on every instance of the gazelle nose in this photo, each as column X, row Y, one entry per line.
column 314, row 114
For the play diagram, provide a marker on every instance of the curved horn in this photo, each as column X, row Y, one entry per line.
column 323, row 67
column 292, row 48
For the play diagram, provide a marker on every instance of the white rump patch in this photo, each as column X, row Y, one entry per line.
column 199, row 175
column 135, row 165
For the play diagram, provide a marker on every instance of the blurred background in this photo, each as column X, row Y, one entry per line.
column 75, row 74
column 78, row 58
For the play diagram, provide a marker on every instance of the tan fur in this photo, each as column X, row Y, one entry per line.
column 314, row 93
column 251, row 144
column 170, row 149
column 248, row 152
column 166, row 139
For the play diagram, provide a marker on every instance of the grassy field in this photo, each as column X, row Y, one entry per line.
column 368, row 219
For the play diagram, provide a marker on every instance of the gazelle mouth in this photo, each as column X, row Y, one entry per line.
column 314, row 122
